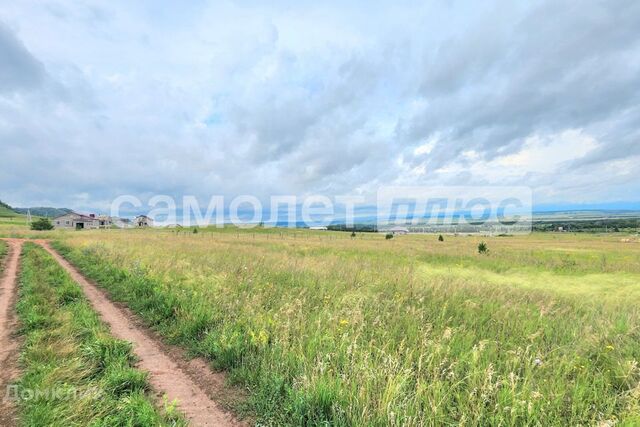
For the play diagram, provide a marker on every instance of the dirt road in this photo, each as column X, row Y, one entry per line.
column 191, row 383
column 8, row 323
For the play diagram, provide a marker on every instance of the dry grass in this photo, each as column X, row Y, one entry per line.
column 324, row 329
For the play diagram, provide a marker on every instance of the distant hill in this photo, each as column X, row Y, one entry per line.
column 44, row 211
column 6, row 210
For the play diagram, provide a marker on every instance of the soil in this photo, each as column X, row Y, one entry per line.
column 9, row 342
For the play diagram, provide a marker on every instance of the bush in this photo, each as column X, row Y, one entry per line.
column 195, row 231
column 440, row 238
column 482, row 248
column 353, row 234
column 41, row 224
column 388, row 236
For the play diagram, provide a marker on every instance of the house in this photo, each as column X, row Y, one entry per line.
column 142, row 221
column 319, row 228
column 105, row 221
column 76, row 221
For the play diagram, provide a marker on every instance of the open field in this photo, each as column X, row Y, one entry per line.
column 324, row 329
column 74, row 372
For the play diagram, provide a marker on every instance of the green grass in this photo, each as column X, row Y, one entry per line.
column 3, row 252
column 541, row 331
column 6, row 211
column 74, row 372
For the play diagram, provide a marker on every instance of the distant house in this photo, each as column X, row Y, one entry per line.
column 76, row 221
column 105, row 221
column 142, row 221
column 318, row 228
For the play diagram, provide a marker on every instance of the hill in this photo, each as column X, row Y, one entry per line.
column 44, row 211
column 6, row 210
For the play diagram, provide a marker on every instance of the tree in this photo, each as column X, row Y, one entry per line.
column 388, row 236
column 42, row 224
column 482, row 248
column 353, row 234
column 440, row 238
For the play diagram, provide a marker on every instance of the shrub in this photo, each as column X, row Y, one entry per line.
column 42, row 224
column 388, row 236
column 482, row 248
column 353, row 234
column 195, row 231
column 440, row 238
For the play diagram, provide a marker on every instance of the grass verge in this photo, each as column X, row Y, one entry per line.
column 4, row 248
column 74, row 372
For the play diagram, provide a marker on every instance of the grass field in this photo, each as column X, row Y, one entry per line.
column 74, row 372
column 323, row 329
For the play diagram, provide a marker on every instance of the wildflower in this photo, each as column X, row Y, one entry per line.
column 447, row 334
column 537, row 362
column 609, row 348
column 344, row 322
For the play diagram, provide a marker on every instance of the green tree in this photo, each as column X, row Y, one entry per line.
column 42, row 224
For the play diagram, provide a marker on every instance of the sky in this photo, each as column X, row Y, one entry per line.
column 102, row 99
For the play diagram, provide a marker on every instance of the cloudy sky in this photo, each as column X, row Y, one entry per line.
column 100, row 99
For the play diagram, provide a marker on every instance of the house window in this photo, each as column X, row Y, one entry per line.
column 67, row 222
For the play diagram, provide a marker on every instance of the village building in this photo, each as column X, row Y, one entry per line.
column 76, row 221
column 142, row 221
column 105, row 221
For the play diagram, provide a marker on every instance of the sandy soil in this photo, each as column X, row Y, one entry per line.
column 191, row 383
column 9, row 343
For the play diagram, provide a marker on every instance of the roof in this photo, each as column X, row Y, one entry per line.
column 85, row 217
column 142, row 216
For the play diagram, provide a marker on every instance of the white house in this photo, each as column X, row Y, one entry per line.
column 142, row 221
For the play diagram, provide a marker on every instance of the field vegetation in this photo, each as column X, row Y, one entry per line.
column 325, row 329
column 74, row 372
column 3, row 253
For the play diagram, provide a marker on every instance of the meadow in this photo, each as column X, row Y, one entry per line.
column 322, row 329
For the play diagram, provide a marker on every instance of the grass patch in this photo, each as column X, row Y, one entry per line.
column 4, row 248
column 74, row 372
column 411, row 331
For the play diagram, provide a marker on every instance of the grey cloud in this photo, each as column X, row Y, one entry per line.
column 564, row 65
column 227, row 109
column 19, row 70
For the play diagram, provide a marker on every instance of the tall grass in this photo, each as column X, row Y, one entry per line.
column 3, row 253
column 74, row 372
column 392, row 333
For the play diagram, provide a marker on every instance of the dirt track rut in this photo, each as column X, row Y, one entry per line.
column 8, row 324
column 167, row 375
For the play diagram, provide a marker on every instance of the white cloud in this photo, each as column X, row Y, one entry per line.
column 100, row 99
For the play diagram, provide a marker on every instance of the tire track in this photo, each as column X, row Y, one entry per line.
column 170, row 376
column 8, row 325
